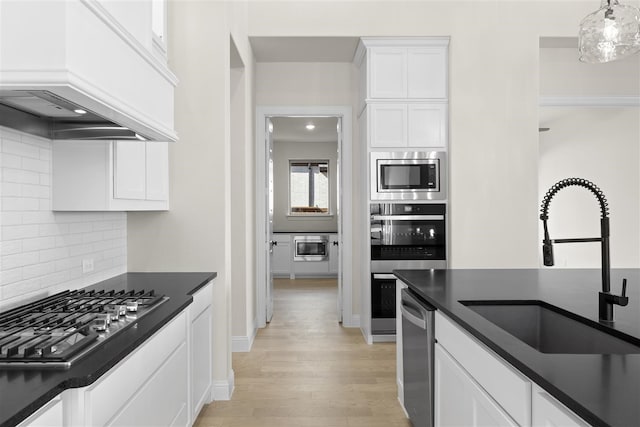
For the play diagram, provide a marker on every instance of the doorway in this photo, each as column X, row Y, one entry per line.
column 340, row 208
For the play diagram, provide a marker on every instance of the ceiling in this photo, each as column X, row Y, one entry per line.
column 292, row 129
column 304, row 49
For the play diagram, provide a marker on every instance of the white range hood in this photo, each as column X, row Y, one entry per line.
column 76, row 55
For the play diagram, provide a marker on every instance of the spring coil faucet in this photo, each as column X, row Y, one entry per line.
column 606, row 300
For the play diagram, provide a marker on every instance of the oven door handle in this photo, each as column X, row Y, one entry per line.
column 407, row 217
column 420, row 322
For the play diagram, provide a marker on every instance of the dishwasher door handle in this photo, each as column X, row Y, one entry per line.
column 420, row 322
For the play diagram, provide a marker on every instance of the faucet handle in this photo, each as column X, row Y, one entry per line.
column 624, row 287
column 622, row 300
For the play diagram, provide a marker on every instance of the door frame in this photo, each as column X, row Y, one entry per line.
column 346, row 208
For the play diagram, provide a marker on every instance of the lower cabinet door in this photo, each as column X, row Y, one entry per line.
column 547, row 411
column 459, row 400
column 162, row 401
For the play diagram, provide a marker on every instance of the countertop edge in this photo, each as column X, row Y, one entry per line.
column 85, row 380
column 579, row 409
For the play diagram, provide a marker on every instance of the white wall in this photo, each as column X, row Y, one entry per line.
column 580, row 144
column 283, row 152
column 42, row 251
column 196, row 234
column 600, row 144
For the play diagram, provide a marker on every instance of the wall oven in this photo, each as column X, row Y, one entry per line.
column 311, row 248
column 403, row 236
column 408, row 175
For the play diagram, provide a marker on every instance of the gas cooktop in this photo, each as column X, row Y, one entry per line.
column 56, row 331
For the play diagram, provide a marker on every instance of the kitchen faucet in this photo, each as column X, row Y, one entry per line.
column 606, row 299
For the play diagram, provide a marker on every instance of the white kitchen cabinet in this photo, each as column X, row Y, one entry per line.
column 153, row 376
column 414, row 126
column 387, row 125
column 503, row 383
column 130, row 160
column 547, row 411
column 95, row 54
column 460, row 400
column 110, row 176
column 282, row 256
column 403, row 68
column 49, row 415
column 201, row 350
column 334, row 254
column 427, row 125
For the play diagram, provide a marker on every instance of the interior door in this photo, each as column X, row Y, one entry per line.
column 339, row 213
column 269, row 228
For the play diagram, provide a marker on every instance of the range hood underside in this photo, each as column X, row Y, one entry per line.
column 44, row 114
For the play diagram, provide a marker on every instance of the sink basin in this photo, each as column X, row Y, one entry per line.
column 550, row 329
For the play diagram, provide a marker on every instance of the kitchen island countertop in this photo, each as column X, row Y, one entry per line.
column 23, row 391
column 602, row 389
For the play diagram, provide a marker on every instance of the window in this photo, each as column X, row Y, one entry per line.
column 309, row 187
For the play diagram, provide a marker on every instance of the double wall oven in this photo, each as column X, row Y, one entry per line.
column 403, row 236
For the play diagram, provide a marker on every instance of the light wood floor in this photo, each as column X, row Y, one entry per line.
column 306, row 370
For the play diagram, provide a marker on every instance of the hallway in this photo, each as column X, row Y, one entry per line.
column 306, row 370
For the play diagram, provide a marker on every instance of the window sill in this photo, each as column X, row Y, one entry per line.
column 310, row 215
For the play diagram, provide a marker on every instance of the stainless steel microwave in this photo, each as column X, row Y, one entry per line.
column 414, row 175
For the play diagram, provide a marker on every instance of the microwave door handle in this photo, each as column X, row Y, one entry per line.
column 407, row 217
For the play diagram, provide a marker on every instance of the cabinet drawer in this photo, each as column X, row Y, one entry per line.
column 510, row 389
column 111, row 393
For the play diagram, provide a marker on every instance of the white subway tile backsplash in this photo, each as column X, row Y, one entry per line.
column 19, row 148
column 11, row 218
column 37, row 191
column 38, row 270
column 81, row 227
column 54, row 254
column 11, row 189
column 11, row 161
column 35, row 165
column 10, row 276
column 42, row 251
column 11, row 247
column 20, row 204
column 38, row 243
column 55, row 229
column 13, row 232
column 20, row 176
column 19, row 260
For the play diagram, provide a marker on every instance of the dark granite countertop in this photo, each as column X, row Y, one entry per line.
column 25, row 391
column 602, row 389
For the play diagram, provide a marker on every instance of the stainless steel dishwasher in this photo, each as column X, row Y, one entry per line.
column 418, row 337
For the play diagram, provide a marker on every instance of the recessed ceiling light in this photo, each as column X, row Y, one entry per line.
column 79, row 111
column 310, row 126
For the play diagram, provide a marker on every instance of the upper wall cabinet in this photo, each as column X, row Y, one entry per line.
column 110, row 176
column 402, row 68
column 96, row 55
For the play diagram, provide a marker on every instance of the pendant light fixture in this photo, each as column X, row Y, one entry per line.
column 610, row 33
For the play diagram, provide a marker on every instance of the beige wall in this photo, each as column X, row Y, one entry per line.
column 197, row 233
column 494, row 89
column 282, row 153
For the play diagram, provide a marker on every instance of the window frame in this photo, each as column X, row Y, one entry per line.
column 329, row 212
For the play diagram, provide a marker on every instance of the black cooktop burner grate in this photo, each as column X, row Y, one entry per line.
column 57, row 330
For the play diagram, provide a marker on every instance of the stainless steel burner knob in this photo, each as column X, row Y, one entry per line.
column 101, row 323
column 132, row 305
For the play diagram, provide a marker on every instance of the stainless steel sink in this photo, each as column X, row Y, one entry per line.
column 550, row 329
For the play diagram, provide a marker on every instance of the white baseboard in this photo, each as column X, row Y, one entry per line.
column 243, row 344
column 223, row 390
column 354, row 322
column 383, row 338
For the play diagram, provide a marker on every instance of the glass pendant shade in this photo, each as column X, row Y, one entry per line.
column 610, row 33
